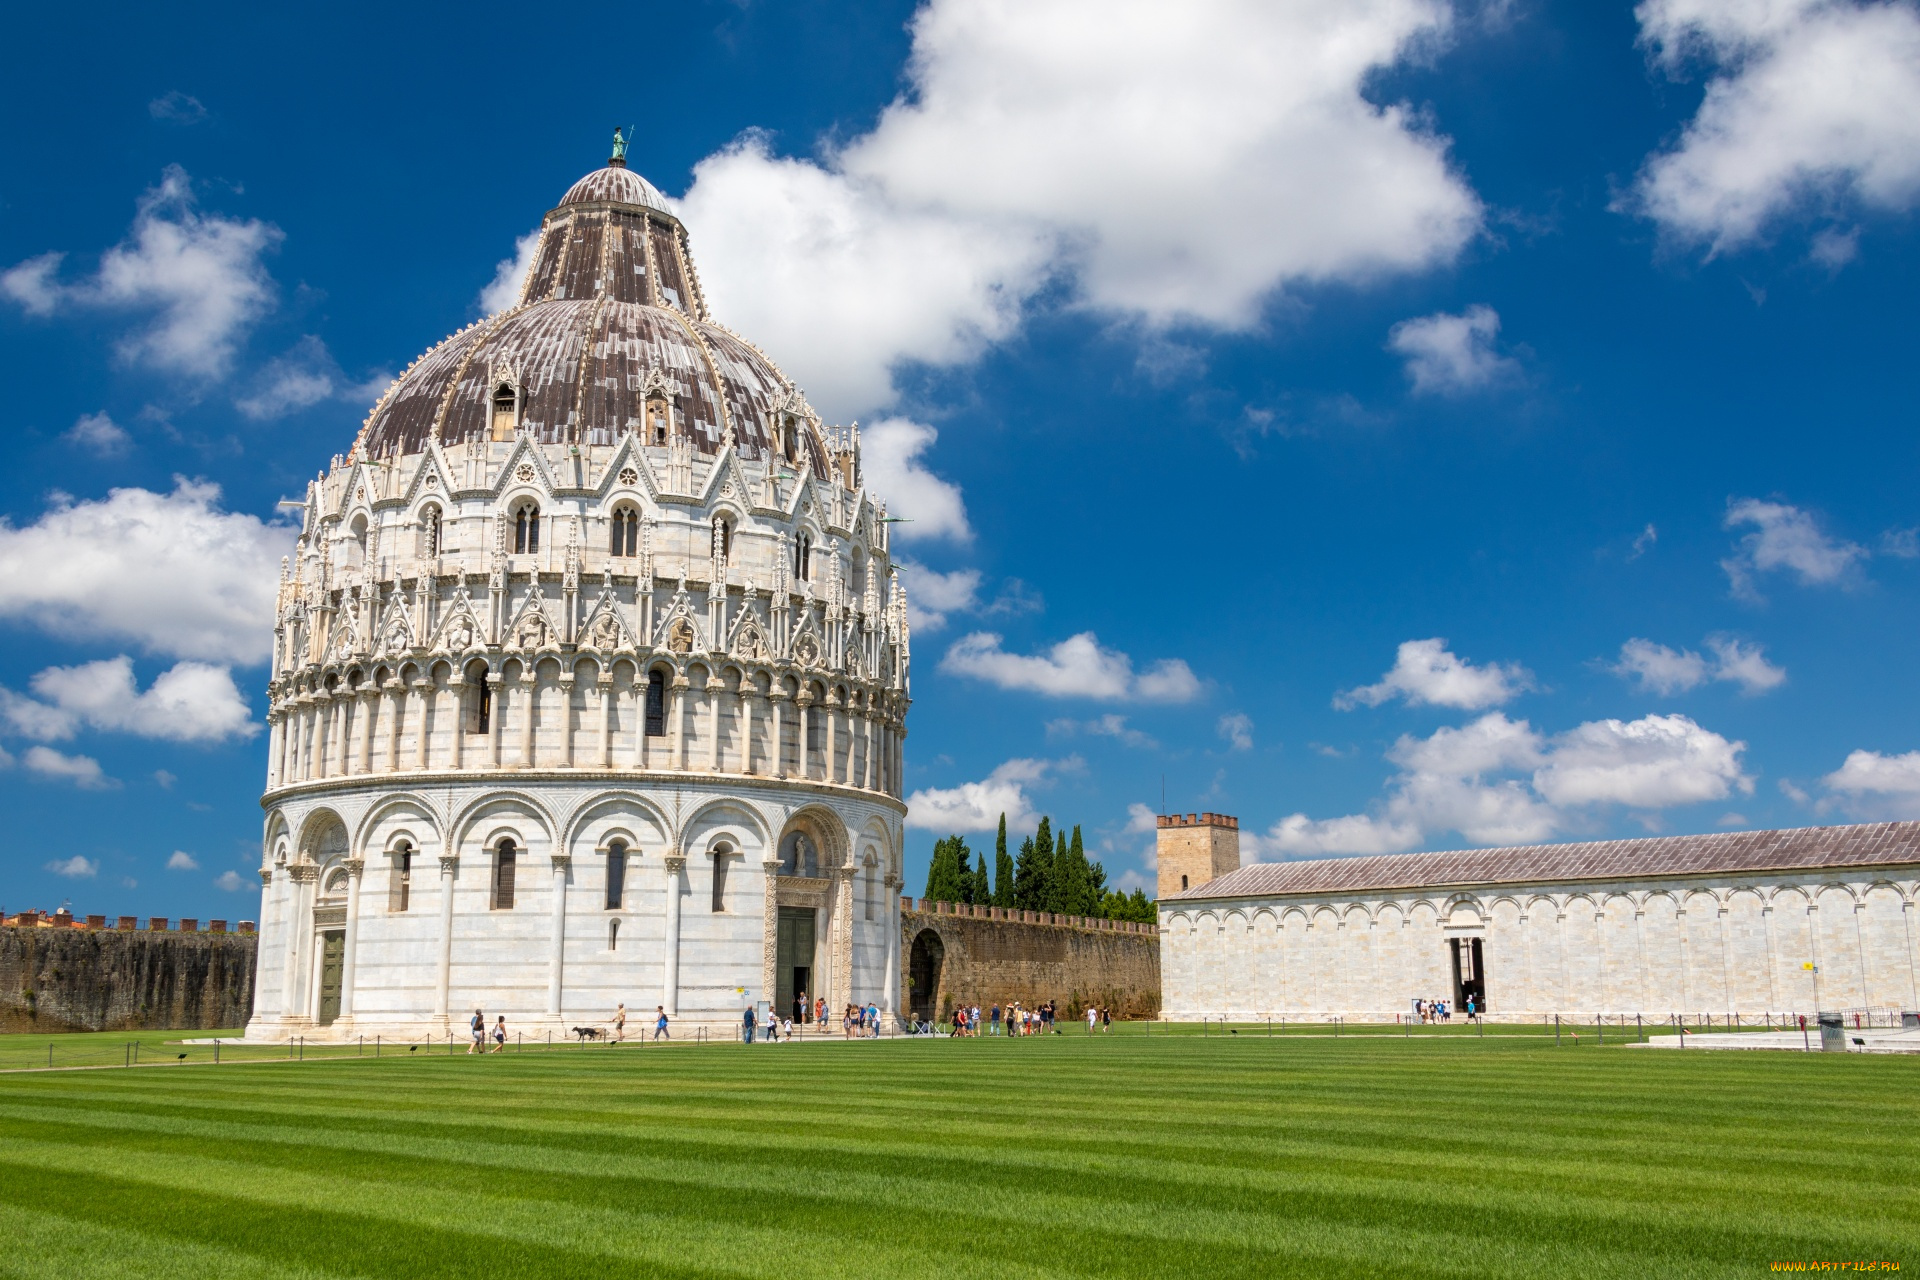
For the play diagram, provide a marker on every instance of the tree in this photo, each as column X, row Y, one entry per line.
column 1029, row 878
column 982, row 895
column 1070, row 878
column 1043, row 866
column 1002, row 869
column 943, row 874
column 963, row 875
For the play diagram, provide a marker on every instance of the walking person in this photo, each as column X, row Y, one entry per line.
column 478, row 1028
column 746, row 1026
column 1106, row 1019
column 1093, row 1016
column 660, row 1023
column 619, row 1025
column 500, row 1034
column 768, row 1026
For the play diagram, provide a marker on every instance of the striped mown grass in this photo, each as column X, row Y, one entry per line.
column 1121, row 1155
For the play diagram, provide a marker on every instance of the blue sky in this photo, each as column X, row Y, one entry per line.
column 1400, row 425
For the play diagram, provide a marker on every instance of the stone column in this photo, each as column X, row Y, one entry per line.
column 497, row 726
column 364, row 703
column 831, row 773
column 639, row 690
column 1766, row 933
column 890, row 999
column 354, row 866
column 340, row 731
column 778, row 755
column 418, row 692
column 273, row 748
column 299, row 928
column 670, row 982
column 716, row 690
column 456, row 760
column 802, row 706
column 398, row 724
column 605, row 689
column 843, row 935
column 770, row 928
column 529, row 683
column 749, row 698
column 322, row 713
column 449, row 862
column 677, row 721
column 566, row 720
column 557, row 958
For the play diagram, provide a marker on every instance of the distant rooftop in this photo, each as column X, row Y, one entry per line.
column 1732, row 852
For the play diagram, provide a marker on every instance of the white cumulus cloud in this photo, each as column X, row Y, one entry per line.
column 1425, row 673
column 1237, row 728
column 231, row 881
column 82, row 771
column 977, row 806
column 182, row 861
column 1450, row 355
column 503, row 291
column 74, row 868
column 1662, row 670
column 1812, row 109
column 99, row 434
column 169, row 571
column 1077, row 667
column 1177, row 164
column 304, row 375
column 932, row 595
column 1499, row 781
column 189, row 702
column 1872, row 785
column 199, row 277
column 1785, row 538
column 891, row 465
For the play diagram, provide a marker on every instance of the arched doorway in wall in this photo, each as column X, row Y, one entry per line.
column 923, row 971
column 794, row 986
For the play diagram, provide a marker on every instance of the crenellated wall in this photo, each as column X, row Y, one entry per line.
column 987, row 957
column 114, row 979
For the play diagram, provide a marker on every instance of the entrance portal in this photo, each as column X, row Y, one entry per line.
column 793, row 963
column 923, row 971
column 333, row 955
column 1469, row 975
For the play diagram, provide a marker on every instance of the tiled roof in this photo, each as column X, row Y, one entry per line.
column 1733, row 852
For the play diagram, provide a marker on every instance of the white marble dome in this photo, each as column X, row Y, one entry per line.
column 590, row 677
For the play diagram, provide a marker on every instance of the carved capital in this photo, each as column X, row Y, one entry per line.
column 675, row 863
column 303, row 872
column 266, row 876
column 561, row 861
column 448, row 863
column 355, row 866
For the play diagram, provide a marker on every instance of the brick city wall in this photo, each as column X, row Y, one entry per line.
column 991, row 955
column 67, row 979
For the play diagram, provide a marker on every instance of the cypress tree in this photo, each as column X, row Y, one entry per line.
column 1043, row 867
column 1027, row 878
column 1063, row 878
column 962, row 874
column 943, row 874
column 1003, row 876
column 982, row 888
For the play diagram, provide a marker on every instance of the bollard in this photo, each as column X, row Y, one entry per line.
column 1556, row 1028
column 1642, row 1027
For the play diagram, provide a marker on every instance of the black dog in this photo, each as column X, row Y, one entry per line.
column 588, row 1033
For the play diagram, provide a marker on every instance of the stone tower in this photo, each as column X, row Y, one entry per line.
column 1196, row 848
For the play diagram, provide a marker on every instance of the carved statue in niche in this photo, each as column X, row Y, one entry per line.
column 606, row 633
column 397, row 638
column 532, row 632
column 680, row 636
column 751, row 645
column 344, row 647
column 853, row 661
column 806, row 652
column 460, row 634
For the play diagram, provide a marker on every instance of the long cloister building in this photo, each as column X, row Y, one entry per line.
column 590, row 675
column 1733, row 924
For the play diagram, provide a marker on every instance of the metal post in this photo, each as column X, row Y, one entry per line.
column 1556, row 1028
column 1642, row 1028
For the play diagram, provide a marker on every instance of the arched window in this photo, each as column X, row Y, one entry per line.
column 483, row 706
column 616, row 876
column 626, row 532
column 526, row 530
column 504, row 858
column 506, row 415
column 723, row 537
column 356, row 548
column 430, row 531
column 336, row 882
column 1183, row 882
column 400, row 891
column 859, row 572
column 659, row 419
column 613, row 935
column 721, row 852
column 656, row 705
column 792, row 441
column 816, row 730
column 802, row 556
column 869, row 893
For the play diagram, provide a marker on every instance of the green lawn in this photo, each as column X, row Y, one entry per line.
column 1134, row 1154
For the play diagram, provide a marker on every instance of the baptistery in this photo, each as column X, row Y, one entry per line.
column 590, row 677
